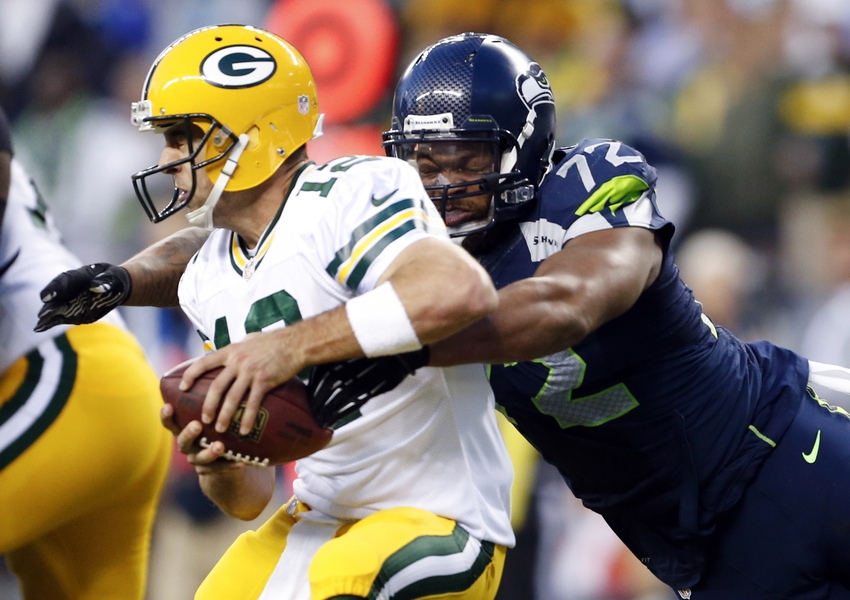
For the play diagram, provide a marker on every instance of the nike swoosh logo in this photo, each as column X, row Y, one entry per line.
column 812, row 456
column 379, row 201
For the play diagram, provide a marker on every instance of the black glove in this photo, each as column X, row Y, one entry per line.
column 83, row 295
column 337, row 389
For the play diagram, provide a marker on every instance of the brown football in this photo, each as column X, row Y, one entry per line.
column 285, row 429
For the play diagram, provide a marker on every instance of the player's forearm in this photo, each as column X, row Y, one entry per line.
column 325, row 338
column 595, row 278
column 532, row 320
column 155, row 272
column 442, row 288
column 240, row 493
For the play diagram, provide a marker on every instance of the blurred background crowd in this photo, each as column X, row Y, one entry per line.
column 743, row 106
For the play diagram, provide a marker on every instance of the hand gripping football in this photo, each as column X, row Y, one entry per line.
column 284, row 430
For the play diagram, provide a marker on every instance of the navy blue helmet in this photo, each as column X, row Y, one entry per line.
column 479, row 88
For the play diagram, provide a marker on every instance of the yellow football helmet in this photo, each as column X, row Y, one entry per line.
column 250, row 92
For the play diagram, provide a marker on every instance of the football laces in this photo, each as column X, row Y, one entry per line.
column 237, row 456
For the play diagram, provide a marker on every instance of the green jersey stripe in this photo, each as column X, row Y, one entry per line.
column 60, row 391
column 363, row 230
column 233, row 262
column 358, row 272
column 239, row 244
column 449, row 584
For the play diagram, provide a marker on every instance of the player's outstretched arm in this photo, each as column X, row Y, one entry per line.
column 431, row 290
column 593, row 279
column 150, row 278
column 156, row 270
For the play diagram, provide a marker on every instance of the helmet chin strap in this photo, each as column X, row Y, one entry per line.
column 203, row 216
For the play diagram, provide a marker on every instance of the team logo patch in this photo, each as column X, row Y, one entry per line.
column 303, row 104
column 533, row 87
column 238, row 67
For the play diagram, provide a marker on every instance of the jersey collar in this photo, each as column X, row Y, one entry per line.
column 243, row 261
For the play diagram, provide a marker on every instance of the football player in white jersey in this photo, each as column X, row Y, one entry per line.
column 324, row 263
column 83, row 456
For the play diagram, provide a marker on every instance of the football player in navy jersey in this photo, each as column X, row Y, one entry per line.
column 712, row 459
column 707, row 456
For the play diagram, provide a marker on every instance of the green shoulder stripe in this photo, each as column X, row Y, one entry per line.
column 352, row 261
column 614, row 194
column 358, row 272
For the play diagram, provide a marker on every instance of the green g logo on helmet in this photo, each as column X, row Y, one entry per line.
column 238, row 67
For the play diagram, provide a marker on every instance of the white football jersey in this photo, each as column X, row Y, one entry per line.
column 30, row 256
column 433, row 442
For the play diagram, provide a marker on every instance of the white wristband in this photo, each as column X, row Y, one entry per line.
column 380, row 322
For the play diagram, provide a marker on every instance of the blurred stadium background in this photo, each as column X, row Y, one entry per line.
column 742, row 105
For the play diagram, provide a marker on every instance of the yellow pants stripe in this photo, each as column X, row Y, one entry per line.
column 51, row 369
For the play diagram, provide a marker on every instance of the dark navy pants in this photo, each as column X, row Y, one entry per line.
column 789, row 537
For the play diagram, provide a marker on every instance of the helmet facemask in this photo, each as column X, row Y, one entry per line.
column 213, row 132
column 506, row 188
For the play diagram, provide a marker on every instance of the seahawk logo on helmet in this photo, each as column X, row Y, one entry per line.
column 533, row 87
column 238, row 67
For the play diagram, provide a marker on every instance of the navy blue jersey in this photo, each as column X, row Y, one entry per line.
column 658, row 419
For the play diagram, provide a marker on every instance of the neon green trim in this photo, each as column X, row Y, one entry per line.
column 708, row 322
column 762, row 437
column 614, row 194
column 576, row 401
column 824, row 404
column 503, row 410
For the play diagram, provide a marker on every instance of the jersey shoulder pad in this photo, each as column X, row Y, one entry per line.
column 371, row 202
column 598, row 174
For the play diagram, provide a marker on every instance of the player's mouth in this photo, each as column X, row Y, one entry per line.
column 463, row 210
column 457, row 216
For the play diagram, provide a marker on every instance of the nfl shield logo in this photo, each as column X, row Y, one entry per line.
column 303, row 104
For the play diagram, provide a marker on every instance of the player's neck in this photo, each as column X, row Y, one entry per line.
column 251, row 223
